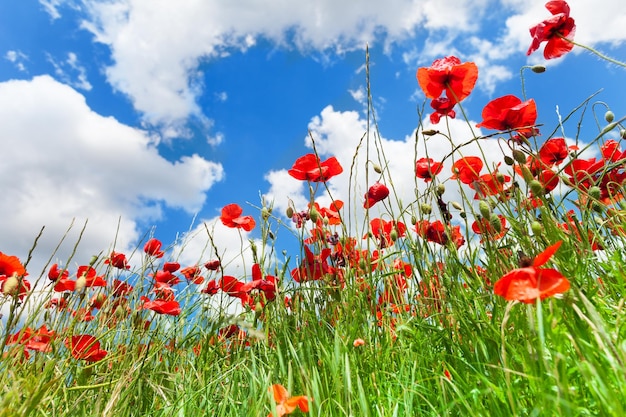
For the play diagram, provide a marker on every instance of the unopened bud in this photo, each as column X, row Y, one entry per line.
column 595, row 192
column 289, row 212
column 508, row 160
column 536, row 188
column 536, row 227
column 377, row 168
column 414, row 220
column 622, row 133
column 314, row 215
column 429, row 132
column 426, row 208
column 456, row 205
column 463, row 215
column 500, row 177
column 440, row 189
column 393, row 235
column 609, row 127
column 519, row 156
column 485, row 209
column 265, row 213
column 609, row 116
column 10, row 285
column 528, row 176
column 81, row 282
column 538, row 69
column 495, row 222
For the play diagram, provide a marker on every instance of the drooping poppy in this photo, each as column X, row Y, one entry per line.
column 85, row 347
column 427, row 168
column 443, row 107
column 376, row 193
column 530, row 282
column 232, row 217
column 450, row 75
column 286, row 404
column 153, row 248
column 558, row 31
column 117, row 260
column 510, row 113
column 310, row 168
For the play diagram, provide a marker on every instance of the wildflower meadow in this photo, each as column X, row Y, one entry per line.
column 497, row 291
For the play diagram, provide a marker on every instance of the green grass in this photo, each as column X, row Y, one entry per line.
column 443, row 344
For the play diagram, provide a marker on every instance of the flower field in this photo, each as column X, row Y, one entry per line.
column 497, row 291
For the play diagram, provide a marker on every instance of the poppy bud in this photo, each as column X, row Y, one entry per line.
column 377, row 168
column 265, row 213
column 595, row 192
column 81, row 282
column 289, row 212
column 528, row 176
column 393, row 235
column 426, row 208
column 508, row 160
column 536, row 187
column 10, row 285
column 314, row 215
column 463, row 215
column 494, row 220
column 519, row 156
column 609, row 116
column 538, row 69
column 440, row 189
column 608, row 128
column 536, row 227
column 429, row 132
column 485, row 209
column 500, row 177
column 456, row 205
column 414, row 220
column 622, row 133
column 93, row 260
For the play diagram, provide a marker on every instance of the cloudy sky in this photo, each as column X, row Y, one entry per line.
column 146, row 117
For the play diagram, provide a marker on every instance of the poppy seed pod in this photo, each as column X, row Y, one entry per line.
column 595, row 192
column 426, row 208
column 440, row 189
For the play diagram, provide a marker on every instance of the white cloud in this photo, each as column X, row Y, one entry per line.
column 71, row 72
column 17, row 58
column 62, row 161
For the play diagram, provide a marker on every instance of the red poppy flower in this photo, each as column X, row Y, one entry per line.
column 436, row 232
column 558, row 31
column 211, row 288
column 153, row 248
column 286, row 404
column 213, row 265
column 55, row 273
column 384, row 231
column 231, row 217
column 611, row 151
column 38, row 340
column 89, row 277
column 443, row 107
column 485, row 228
column 467, row 169
column 310, row 168
column 117, row 260
column 14, row 285
column 193, row 274
column 10, row 265
column 427, row 168
column 85, row 347
column 489, row 184
column 553, row 151
column 510, row 113
column 313, row 267
column 530, row 282
column 376, row 193
column 169, row 307
column 450, row 75
column 121, row 288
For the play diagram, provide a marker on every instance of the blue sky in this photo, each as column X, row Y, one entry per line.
column 148, row 116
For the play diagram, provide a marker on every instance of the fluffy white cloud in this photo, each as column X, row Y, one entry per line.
column 62, row 161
